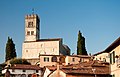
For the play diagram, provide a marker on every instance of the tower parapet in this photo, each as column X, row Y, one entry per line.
column 32, row 27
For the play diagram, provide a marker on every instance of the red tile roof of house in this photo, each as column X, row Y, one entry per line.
column 87, row 68
column 52, row 68
column 27, row 67
column 91, row 67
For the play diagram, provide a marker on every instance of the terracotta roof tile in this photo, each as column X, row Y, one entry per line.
column 52, row 68
column 84, row 68
column 28, row 67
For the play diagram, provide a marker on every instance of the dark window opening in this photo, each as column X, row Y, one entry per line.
column 30, row 24
column 46, row 59
column 24, row 70
column 73, row 59
column 28, row 32
column 54, row 59
column 112, row 57
column 36, row 71
column 32, row 32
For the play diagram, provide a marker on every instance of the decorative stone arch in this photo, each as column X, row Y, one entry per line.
column 18, row 75
column 7, row 74
column 37, row 75
column 29, row 75
column 23, row 75
column 104, row 59
column 54, row 59
column 34, row 75
column 37, row 63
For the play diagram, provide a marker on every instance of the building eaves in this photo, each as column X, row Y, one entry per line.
column 42, row 40
column 51, row 55
column 26, row 67
column 113, row 45
column 98, row 53
column 81, row 56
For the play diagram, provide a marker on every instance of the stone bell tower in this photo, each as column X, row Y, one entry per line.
column 32, row 27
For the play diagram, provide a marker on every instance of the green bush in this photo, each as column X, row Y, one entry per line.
column 19, row 61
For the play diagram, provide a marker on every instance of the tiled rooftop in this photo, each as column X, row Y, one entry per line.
column 91, row 67
column 27, row 67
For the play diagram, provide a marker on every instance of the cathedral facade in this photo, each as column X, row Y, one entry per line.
column 33, row 46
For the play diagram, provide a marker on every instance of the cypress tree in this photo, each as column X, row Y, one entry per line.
column 81, row 50
column 10, row 50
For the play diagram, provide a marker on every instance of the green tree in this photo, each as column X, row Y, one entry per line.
column 81, row 50
column 19, row 61
column 10, row 50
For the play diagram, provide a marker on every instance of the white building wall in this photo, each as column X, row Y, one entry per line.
column 102, row 56
column 26, row 72
column 115, row 70
column 45, row 63
column 20, row 71
column 47, row 72
column 69, row 59
column 32, row 18
column 33, row 49
column 62, row 74
column 58, row 73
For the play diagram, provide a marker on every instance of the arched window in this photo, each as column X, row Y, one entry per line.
column 30, row 24
column 23, row 75
column 104, row 60
column 28, row 32
column 54, row 59
column 29, row 75
column 34, row 75
column 62, row 59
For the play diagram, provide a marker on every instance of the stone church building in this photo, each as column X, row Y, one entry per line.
column 33, row 46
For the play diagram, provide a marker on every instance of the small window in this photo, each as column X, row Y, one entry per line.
column 46, row 59
column 30, row 24
column 41, row 45
column 62, row 59
column 23, row 75
column 80, row 60
column 53, row 49
column 30, row 75
column 36, row 71
column 26, row 50
column 54, row 59
column 104, row 60
column 96, row 59
column 28, row 32
column 24, row 70
column 13, row 70
column 73, row 59
column 32, row 32
column 113, row 75
column 112, row 57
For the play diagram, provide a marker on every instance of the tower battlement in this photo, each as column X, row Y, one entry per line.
column 32, row 16
column 32, row 27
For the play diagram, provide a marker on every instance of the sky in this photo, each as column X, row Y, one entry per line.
column 98, row 21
